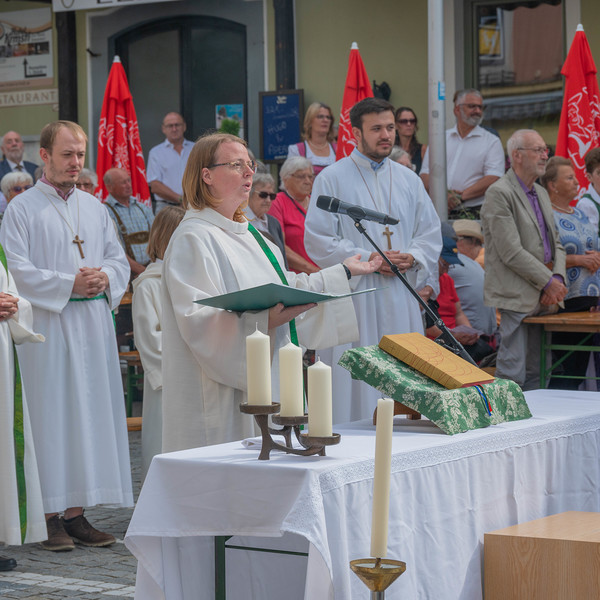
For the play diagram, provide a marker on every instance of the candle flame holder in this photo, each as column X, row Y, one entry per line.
column 311, row 444
column 377, row 574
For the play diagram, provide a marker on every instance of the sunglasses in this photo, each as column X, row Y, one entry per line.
column 269, row 195
column 19, row 188
column 406, row 121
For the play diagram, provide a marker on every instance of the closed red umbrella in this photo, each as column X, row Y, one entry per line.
column 119, row 137
column 357, row 88
column 579, row 129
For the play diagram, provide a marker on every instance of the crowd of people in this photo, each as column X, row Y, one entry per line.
column 521, row 247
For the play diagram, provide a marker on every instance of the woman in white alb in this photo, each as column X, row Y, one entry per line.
column 214, row 251
column 146, row 312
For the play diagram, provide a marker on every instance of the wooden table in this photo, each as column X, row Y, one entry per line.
column 553, row 557
column 578, row 322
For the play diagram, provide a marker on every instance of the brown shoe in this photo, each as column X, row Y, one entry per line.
column 58, row 539
column 80, row 529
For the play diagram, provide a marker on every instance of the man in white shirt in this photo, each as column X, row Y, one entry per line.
column 167, row 161
column 474, row 156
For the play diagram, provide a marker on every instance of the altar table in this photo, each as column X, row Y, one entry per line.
column 447, row 491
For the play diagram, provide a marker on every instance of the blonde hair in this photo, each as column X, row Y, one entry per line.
column 195, row 190
column 311, row 113
column 50, row 131
column 162, row 229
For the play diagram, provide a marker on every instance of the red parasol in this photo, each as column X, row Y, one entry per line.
column 119, row 137
column 579, row 129
column 357, row 88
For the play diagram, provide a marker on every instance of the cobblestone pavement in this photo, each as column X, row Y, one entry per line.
column 83, row 573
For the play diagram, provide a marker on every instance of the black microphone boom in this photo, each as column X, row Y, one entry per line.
column 333, row 205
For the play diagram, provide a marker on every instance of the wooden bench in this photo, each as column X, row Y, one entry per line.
column 577, row 322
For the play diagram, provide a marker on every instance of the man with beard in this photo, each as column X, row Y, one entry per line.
column 369, row 179
column 62, row 250
column 524, row 260
column 474, row 157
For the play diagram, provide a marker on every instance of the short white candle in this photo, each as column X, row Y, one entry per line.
column 258, row 365
column 291, row 384
column 319, row 400
column 381, row 479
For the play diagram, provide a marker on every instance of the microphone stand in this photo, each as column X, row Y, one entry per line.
column 447, row 340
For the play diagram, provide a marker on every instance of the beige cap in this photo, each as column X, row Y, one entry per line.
column 468, row 228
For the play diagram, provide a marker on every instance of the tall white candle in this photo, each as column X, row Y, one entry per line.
column 258, row 368
column 291, row 384
column 381, row 480
column 319, row 400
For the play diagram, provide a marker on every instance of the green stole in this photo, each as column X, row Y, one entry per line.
column 265, row 247
column 18, row 433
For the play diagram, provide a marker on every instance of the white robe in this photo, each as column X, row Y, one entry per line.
column 204, row 350
column 330, row 238
column 73, row 381
column 146, row 313
column 17, row 329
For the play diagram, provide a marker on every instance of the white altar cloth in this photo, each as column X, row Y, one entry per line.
column 447, row 491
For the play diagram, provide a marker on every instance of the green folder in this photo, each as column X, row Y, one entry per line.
column 268, row 295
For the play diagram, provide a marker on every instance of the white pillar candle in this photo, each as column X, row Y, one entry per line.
column 258, row 368
column 381, row 479
column 291, row 384
column 319, row 400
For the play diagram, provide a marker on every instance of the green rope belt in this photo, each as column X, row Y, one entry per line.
column 102, row 296
column 18, row 434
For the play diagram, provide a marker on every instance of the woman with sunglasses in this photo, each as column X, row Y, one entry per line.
column 406, row 136
column 262, row 195
column 214, row 251
column 87, row 181
column 318, row 138
column 13, row 184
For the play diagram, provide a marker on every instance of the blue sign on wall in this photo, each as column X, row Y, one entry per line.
column 281, row 116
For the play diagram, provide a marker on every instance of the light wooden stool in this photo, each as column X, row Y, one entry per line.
column 555, row 558
column 134, row 423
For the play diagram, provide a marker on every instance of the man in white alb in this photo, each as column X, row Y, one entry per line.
column 368, row 178
column 474, row 156
column 167, row 161
column 64, row 255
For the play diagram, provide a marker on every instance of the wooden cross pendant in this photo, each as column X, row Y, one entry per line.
column 388, row 234
column 79, row 244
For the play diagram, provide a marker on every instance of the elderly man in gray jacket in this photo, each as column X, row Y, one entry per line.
column 524, row 259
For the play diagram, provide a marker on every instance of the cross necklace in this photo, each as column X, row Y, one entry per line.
column 76, row 239
column 387, row 232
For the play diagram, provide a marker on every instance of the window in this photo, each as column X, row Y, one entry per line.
column 517, row 52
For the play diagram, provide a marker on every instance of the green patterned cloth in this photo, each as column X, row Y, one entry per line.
column 453, row 411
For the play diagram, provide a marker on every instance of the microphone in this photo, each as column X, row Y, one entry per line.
column 333, row 205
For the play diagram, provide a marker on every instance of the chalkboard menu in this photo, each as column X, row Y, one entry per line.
column 281, row 116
